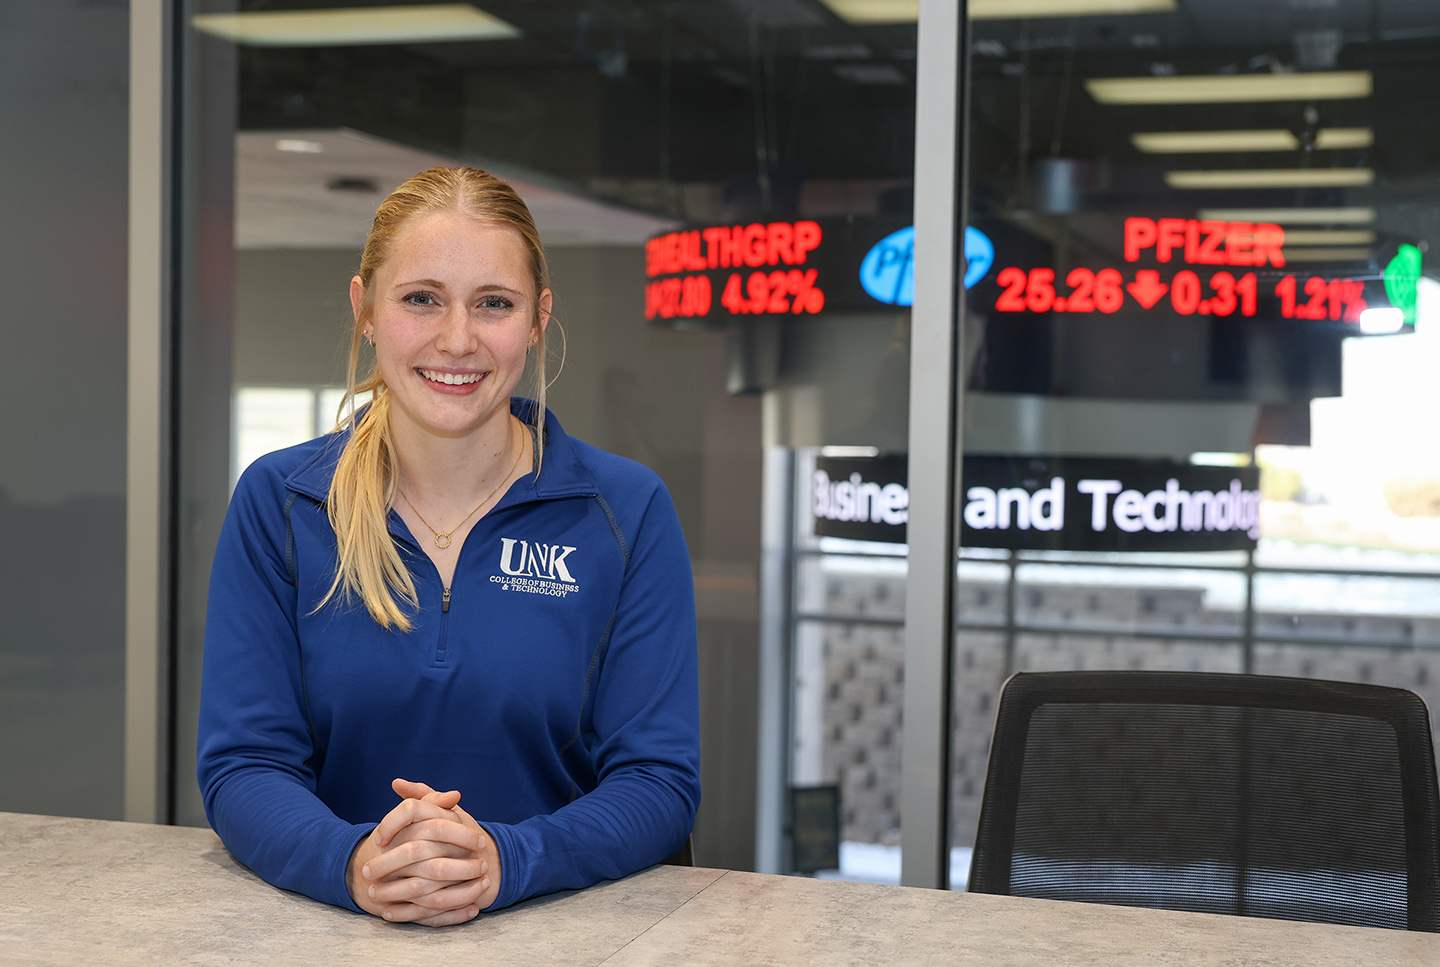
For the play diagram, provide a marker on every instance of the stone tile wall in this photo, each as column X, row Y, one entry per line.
column 864, row 670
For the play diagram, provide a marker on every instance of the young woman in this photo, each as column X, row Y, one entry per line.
column 449, row 598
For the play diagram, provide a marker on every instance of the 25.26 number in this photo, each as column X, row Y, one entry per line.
column 1034, row 291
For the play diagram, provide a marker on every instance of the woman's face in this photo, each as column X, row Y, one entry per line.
column 453, row 312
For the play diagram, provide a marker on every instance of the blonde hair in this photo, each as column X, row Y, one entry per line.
column 369, row 564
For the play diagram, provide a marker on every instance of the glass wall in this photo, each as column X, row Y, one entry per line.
column 707, row 178
column 1198, row 390
column 63, row 86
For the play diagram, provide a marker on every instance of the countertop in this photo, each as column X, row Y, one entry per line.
column 91, row 892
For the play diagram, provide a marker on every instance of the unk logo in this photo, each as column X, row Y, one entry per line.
column 523, row 559
column 888, row 270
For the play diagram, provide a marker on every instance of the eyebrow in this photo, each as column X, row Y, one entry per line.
column 435, row 284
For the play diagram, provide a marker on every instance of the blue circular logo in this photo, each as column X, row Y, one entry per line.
column 888, row 270
column 979, row 255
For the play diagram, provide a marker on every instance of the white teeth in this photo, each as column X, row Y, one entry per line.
column 451, row 379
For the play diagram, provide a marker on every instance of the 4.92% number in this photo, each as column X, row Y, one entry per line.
column 760, row 293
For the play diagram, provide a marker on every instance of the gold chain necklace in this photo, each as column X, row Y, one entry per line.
column 442, row 541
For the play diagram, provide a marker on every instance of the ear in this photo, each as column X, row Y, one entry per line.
column 545, row 302
column 357, row 297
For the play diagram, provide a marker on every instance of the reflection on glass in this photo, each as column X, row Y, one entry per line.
column 1211, row 244
column 706, row 201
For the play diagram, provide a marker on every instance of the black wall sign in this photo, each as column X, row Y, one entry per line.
column 705, row 276
column 861, row 498
column 1052, row 503
column 1107, row 504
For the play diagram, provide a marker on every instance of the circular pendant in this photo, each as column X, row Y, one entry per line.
column 442, row 541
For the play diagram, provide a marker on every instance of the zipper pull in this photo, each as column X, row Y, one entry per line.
column 445, row 602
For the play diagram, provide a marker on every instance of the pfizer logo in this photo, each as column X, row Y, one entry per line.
column 979, row 255
column 888, row 270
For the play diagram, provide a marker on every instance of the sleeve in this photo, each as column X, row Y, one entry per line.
column 645, row 741
column 256, row 747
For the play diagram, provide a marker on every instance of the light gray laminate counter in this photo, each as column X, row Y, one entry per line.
column 78, row 891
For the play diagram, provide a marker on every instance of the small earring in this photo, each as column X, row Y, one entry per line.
column 370, row 339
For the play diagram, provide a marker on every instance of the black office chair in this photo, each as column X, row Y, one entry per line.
column 1242, row 794
column 684, row 856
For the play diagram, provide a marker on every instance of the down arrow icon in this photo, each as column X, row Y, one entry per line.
column 1147, row 287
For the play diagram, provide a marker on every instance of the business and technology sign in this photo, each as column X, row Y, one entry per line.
column 861, row 498
column 1052, row 503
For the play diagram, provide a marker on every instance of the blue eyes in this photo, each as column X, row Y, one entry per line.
column 426, row 299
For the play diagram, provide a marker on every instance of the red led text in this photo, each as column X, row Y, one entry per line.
column 731, row 247
column 1205, row 242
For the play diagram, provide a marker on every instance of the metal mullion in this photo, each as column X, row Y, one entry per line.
column 850, row 619
column 148, row 483
column 934, row 443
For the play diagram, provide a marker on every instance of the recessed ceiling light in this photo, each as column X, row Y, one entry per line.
column 1291, row 216
column 299, row 146
column 1334, row 138
column 1229, row 88
column 1272, row 178
column 1275, row 139
column 1330, row 237
column 349, row 26
column 1382, row 320
column 908, row 11
column 875, row 11
column 1337, row 253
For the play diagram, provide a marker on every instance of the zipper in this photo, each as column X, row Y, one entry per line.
column 442, row 646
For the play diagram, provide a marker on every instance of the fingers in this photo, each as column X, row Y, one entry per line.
column 465, row 817
column 427, row 861
column 450, row 899
column 406, row 789
column 411, row 913
column 450, row 917
column 409, row 789
column 427, row 876
column 434, row 841
column 454, row 896
column 411, row 811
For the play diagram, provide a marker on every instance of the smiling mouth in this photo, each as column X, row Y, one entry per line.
column 451, row 379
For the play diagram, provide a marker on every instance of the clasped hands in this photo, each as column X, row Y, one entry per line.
column 427, row 862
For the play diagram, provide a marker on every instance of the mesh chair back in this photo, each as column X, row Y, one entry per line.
column 1239, row 794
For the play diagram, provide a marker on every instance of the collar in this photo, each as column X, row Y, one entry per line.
column 562, row 473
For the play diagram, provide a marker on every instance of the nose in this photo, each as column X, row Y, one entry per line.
column 458, row 333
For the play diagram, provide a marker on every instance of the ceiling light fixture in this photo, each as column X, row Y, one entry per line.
column 1291, row 216
column 299, row 146
column 1330, row 139
column 1342, row 237
column 1338, row 253
column 352, row 26
column 1382, row 320
column 1274, row 139
column 1272, row 178
column 908, row 11
column 1231, row 88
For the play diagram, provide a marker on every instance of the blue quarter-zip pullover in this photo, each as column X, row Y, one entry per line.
column 554, row 683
